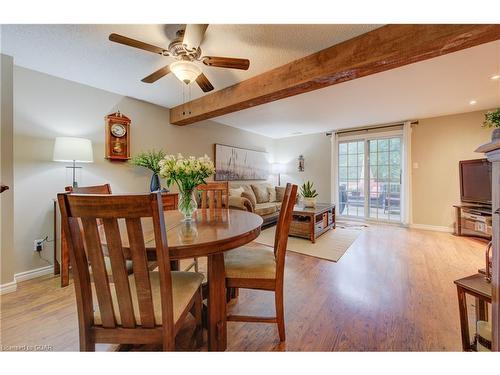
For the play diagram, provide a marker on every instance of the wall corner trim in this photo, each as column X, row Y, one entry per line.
column 32, row 274
column 8, row 287
column 23, row 276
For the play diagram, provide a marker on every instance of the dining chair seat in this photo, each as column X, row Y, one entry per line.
column 184, row 286
column 250, row 263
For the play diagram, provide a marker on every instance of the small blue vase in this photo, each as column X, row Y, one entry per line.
column 155, row 183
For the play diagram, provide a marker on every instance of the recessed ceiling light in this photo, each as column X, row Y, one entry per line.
column 496, row 77
column 473, row 102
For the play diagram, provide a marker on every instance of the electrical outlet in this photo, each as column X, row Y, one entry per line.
column 38, row 245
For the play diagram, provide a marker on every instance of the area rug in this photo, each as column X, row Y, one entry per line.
column 351, row 224
column 330, row 246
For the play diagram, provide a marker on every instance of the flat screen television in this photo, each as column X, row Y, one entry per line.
column 475, row 181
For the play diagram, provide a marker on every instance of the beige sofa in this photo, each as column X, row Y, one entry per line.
column 263, row 199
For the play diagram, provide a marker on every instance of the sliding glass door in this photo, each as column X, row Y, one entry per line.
column 369, row 178
column 351, row 178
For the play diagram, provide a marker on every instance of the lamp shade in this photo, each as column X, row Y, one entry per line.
column 186, row 71
column 69, row 149
column 278, row 168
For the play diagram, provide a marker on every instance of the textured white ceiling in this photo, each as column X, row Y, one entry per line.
column 83, row 53
column 440, row 86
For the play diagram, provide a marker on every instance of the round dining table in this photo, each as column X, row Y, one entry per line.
column 210, row 234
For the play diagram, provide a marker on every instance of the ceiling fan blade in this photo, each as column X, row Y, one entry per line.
column 204, row 83
column 153, row 77
column 193, row 35
column 135, row 43
column 226, row 62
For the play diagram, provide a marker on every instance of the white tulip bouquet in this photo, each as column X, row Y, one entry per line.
column 187, row 173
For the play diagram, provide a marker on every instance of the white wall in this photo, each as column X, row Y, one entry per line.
column 6, row 169
column 46, row 107
column 438, row 144
column 316, row 149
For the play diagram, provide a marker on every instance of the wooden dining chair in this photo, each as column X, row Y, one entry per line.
column 95, row 189
column 143, row 308
column 213, row 195
column 263, row 267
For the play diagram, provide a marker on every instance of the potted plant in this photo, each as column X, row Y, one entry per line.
column 492, row 120
column 308, row 194
column 187, row 173
column 150, row 160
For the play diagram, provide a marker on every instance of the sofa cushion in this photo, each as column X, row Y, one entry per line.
column 239, row 203
column 261, row 193
column 250, row 197
column 280, row 193
column 271, row 190
column 236, row 192
column 263, row 209
column 248, row 189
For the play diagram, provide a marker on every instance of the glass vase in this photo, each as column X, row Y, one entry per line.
column 187, row 204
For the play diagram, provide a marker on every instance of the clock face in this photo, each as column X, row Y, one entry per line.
column 118, row 130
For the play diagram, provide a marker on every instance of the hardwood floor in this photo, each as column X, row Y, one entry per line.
column 392, row 291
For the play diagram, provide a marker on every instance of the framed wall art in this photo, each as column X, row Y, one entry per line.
column 237, row 164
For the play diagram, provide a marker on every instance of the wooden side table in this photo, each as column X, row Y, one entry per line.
column 477, row 286
column 310, row 222
column 170, row 202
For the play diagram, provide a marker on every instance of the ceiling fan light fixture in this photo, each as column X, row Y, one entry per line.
column 185, row 71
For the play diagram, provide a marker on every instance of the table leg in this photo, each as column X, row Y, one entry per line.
column 57, row 267
column 481, row 310
column 464, row 320
column 217, row 329
column 333, row 218
column 64, row 261
column 313, row 227
column 175, row 265
column 458, row 221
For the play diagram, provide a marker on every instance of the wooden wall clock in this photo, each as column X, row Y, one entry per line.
column 117, row 136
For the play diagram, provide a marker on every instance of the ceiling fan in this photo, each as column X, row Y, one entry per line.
column 185, row 48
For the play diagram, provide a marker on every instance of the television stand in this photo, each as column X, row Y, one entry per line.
column 473, row 220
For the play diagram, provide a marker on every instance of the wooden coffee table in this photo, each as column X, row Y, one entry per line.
column 311, row 223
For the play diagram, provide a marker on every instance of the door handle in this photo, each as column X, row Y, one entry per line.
column 3, row 188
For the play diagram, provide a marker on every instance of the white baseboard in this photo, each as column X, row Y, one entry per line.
column 435, row 228
column 23, row 276
column 31, row 274
column 8, row 287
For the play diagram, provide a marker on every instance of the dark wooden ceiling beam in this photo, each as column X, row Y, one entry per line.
column 382, row 49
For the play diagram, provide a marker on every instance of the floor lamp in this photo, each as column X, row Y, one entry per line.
column 278, row 168
column 73, row 150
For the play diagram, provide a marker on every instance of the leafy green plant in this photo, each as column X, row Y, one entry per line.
column 307, row 191
column 492, row 119
column 149, row 160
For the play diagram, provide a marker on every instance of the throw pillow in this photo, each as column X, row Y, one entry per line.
column 280, row 193
column 236, row 192
column 250, row 197
column 272, row 193
column 248, row 189
column 261, row 194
